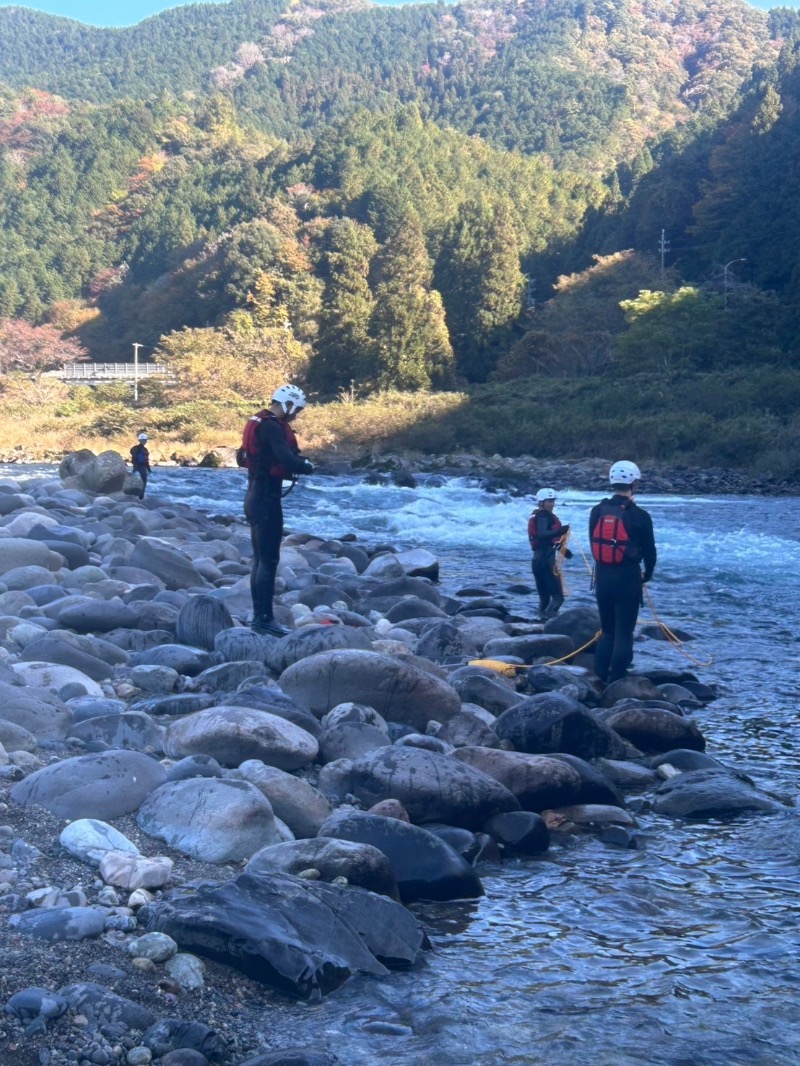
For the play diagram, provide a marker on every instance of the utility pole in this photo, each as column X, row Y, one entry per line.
column 663, row 247
column 136, row 348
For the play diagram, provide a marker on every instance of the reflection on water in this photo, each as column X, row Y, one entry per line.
column 683, row 952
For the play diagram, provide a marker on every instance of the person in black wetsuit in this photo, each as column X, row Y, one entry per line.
column 624, row 550
column 545, row 534
column 140, row 460
column 277, row 456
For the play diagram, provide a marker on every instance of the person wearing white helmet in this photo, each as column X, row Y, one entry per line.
column 271, row 454
column 140, row 460
column 624, row 551
column 545, row 535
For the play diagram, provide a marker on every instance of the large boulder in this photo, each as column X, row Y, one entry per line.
column 36, row 710
column 19, row 551
column 173, row 566
column 303, row 938
column 103, row 785
column 398, row 691
column 210, row 819
column 296, row 802
column 200, row 620
column 361, row 864
column 430, row 786
column 311, row 640
column 710, row 793
column 425, row 867
column 653, row 730
column 555, row 722
column 537, row 781
column 232, row 735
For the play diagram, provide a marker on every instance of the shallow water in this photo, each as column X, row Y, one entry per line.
column 682, row 952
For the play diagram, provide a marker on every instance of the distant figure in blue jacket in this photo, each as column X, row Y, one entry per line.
column 140, row 458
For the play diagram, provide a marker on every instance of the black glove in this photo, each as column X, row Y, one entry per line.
column 567, row 553
column 646, row 578
column 308, row 467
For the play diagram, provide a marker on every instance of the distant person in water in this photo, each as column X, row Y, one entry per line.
column 624, row 551
column 140, row 458
column 271, row 454
column 546, row 536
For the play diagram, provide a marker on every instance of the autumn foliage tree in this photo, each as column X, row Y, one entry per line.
column 34, row 349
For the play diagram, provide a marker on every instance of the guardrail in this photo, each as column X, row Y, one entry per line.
column 92, row 372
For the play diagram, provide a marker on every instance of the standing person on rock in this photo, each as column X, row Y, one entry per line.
column 624, row 550
column 546, row 534
column 140, row 459
column 271, row 454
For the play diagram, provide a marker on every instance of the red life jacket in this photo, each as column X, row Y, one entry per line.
column 611, row 542
column 250, row 454
column 533, row 536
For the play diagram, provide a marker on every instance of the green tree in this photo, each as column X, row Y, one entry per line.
column 412, row 345
column 345, row 350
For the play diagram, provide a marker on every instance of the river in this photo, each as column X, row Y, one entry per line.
column 683, row 952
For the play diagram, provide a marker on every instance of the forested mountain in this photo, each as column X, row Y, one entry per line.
column 417, row 197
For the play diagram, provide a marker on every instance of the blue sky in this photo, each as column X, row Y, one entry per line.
column 103, row 12
column 129, row 12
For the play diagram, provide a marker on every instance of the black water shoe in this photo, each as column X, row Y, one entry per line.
column 269, row 627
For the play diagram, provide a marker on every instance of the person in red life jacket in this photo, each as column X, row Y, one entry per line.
column 545, row 535
column 272, row 455
column 624, row 551
column 140, row 459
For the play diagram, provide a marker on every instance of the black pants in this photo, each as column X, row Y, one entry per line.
column 548, row 583
column 264, row 511
column 143, row 475
column 618, row 613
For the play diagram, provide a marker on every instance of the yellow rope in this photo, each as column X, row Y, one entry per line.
column 671, row 637
column 510, row 669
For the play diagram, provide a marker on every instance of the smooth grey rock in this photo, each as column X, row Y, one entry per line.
column 103, row 785
column 88, row 839
column 297, row 803
column 60, row 923
column 653, row 730
column 200, row 620
column 171, row 565
column 398, row 692
column 425, row 867
column 303, row 938
column 132, row 730
column 233, row 734
column 554, row 722
column 214, row 820
column 431, row 787
column 537, row 781
column 50, row 649
column 710, row 793
column 362, row 865
column 311, row 640
column 179, row 657
column 36, row 710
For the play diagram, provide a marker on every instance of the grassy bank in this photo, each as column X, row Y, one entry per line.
column 746, row 420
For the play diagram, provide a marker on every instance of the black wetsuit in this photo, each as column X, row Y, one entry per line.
column 618, row 587
column 140, row 458
column 264, row 510
column 544, row 530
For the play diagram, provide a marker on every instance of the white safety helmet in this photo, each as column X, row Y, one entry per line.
column 143, row 437
column 624, row 473
column 290, row 398
column 546, row 494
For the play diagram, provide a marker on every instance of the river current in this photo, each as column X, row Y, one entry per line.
column 682, row 952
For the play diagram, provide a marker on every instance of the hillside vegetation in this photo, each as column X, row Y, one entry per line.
column 554, row 228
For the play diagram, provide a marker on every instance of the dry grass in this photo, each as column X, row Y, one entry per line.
column 45, row 431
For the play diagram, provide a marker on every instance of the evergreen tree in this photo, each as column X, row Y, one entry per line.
column 345, row 351
column 481, row 280
column 412, row 345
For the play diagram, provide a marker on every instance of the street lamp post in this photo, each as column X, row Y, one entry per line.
column 136, row 348
column 725, row 279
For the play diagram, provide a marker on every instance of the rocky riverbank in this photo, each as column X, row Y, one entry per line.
column 520, row 476
column 196, row 819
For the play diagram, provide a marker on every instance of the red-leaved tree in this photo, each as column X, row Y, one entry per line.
column 33, row 349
